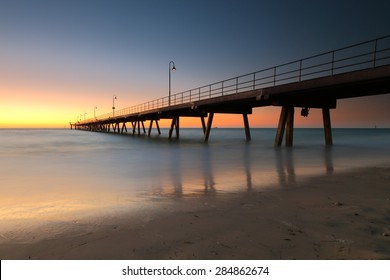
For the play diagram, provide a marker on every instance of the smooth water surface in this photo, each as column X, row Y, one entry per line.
column 49, row 177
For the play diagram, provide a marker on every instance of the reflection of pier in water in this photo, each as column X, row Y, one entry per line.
column 285, row 166
column 244, row 175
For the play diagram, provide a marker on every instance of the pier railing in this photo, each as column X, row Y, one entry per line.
column 365, row 55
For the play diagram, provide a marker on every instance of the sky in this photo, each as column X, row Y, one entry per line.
column 61, row 59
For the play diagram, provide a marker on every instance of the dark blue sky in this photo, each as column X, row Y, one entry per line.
column 100, row 48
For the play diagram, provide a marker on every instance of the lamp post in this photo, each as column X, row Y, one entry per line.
column 113, row 105
column 94, row 112
column 171, row 68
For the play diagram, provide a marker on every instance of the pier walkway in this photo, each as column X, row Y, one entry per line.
column 314, row 82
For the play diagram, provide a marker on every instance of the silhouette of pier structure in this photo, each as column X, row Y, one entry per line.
column 315, row 82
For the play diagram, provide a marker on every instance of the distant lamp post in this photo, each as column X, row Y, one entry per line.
column 94, row 112
column 113, row 105
column 171, row 68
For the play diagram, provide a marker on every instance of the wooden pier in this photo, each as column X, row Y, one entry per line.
column 316, row 82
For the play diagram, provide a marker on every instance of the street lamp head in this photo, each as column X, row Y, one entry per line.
column 173, row 66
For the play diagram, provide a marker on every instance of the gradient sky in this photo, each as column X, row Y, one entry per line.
column 59, row 59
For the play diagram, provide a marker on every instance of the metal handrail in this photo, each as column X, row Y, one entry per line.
column 302, row 69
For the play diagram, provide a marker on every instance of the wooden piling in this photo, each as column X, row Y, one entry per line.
column 177, row 127
column 171, row 128
column 290, row 127
column 281, row 126
column 139, row 127
column 246, row 124
column 327, row 126
column 150, row 127
column 158, row 127
column 174, row 125
column 208, row 128
column 203, row 125
column 124, row 127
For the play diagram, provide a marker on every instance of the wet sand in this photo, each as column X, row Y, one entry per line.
column 339, row 216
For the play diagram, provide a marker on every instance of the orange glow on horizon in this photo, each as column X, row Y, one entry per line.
column 49, row 107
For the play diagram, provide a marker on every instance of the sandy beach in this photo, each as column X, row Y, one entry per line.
column 338, row 216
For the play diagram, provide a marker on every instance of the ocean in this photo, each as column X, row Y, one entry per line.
column 50, row 178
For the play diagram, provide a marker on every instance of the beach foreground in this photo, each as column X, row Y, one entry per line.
column 338, row 216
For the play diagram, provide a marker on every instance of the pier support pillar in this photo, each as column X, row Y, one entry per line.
column 286, row 121
column 134, row 125
column 247, row 130
column 208, row 127
column 139, row 127
column 203, row 125
column 290, row 127
column 171, row 129
column 158, row 127
column 177, row 127
column 114, row 127
column 124, row 127
column 327, row 126
column 151, row 125
column 174, row 125
column 281, row 126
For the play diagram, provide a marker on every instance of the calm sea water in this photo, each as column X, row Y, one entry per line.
column 51, row 177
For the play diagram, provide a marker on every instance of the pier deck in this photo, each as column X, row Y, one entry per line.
column 314, row 82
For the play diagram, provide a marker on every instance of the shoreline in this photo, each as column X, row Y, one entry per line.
column 339, row 216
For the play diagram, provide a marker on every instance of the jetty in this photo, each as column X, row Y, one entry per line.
column 314, row 82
